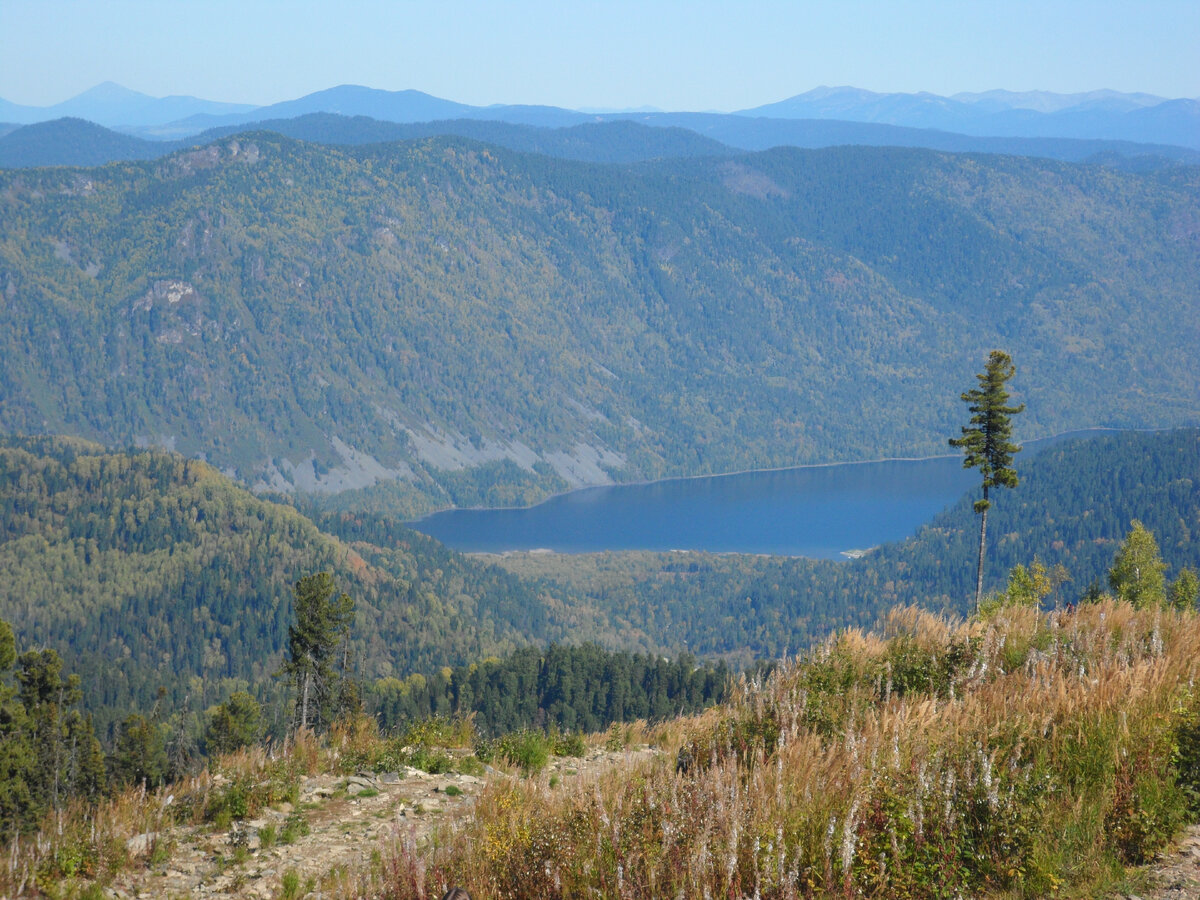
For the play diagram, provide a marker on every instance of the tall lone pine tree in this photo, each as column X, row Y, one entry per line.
column 985, row 441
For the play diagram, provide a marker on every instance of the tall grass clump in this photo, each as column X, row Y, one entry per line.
column 422, row 744
column 1024, row 753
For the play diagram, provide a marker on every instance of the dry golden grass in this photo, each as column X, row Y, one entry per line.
column 1024, row 755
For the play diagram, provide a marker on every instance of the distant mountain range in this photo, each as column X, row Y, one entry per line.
column 1097, row 115
column 75, row 142
column 1106, row 115
column 114, row 106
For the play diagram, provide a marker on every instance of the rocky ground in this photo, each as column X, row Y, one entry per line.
column 1176, row 874
column 338, row 823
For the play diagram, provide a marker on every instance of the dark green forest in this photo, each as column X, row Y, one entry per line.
column 466, row 324
column 583, row 688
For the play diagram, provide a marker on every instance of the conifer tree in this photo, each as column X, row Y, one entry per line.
column 322, row 622
column 234, row 724
column 17, row 759
column 985, row 441
column 48, row 750
column 140, row 756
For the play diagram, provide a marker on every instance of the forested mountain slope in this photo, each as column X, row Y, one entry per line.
column 473, row 325
column 73, row 142
column 148, row 570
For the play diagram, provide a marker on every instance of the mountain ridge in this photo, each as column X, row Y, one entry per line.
column 623, row 139
column 1103, row 114
column 1097, row 114
column 115, row 106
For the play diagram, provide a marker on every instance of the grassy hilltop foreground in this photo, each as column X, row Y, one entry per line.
column 1018, row 754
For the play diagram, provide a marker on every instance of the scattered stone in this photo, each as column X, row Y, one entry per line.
column 140, row 843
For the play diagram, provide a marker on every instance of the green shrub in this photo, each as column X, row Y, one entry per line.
column 1185, row 750
column 909, row 668
column 485, row 749
column 614, row 742
column 289, row 885
column 439, row 731
column 435, row 762
column 571, row 744
column 529, row 750
column 1146, row 811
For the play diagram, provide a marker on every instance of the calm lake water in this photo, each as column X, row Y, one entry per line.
column 814, row 511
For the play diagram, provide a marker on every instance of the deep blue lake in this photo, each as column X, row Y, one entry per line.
column 813, row 511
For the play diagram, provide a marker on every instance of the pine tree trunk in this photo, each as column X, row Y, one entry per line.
column 304, row 702
column 982, row 544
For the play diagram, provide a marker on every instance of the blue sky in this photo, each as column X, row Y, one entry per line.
column 609, row 53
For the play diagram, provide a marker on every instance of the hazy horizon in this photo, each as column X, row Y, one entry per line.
column 589, row 109
column 621, row 55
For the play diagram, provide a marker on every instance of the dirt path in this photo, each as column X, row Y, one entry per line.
column 1176, row 874
column 347, row 819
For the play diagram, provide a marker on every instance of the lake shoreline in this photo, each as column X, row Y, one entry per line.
column 1061, row 435
column 823, row 511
